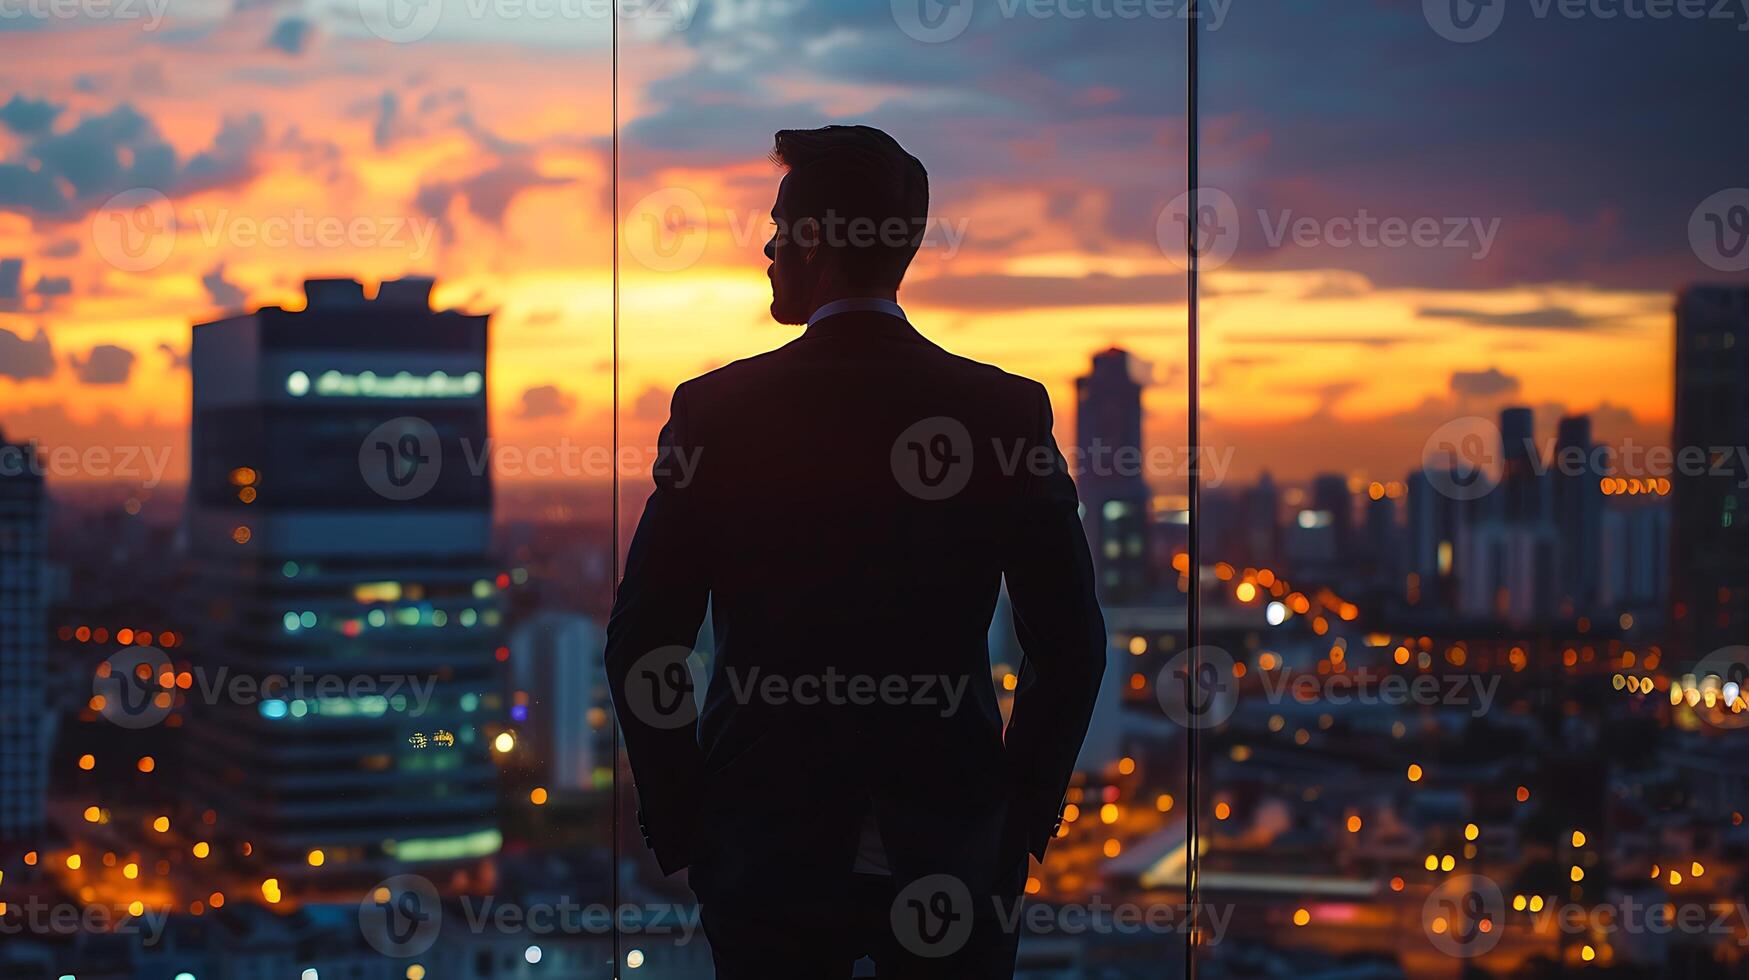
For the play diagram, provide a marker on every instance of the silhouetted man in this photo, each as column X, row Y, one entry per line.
column 850, row 505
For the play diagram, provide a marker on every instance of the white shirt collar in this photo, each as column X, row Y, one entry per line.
column 857, row 305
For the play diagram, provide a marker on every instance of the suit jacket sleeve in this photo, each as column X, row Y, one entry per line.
column 1062, row 637
column 656, row 616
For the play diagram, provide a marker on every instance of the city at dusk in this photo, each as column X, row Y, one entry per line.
column 520, row 488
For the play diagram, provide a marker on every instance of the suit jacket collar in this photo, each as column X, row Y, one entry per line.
column 858, row 324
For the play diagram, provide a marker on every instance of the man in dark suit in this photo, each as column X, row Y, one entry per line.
column 850, row 505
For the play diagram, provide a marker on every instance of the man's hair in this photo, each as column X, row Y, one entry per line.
column 871, row 197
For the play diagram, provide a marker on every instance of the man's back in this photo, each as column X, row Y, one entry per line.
column 850, row 504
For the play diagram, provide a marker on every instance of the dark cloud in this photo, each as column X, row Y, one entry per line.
column 488, row 193
column 53, row 286
column 1545, row 318
column 545, row 401
column 1339, row 286
column 1003, row 292
column 1291, row 340
column 291, row 35
column 388, row 126
column 21, row 359
column 106, row 364
column 28, row 117
column 225, row 295
column 65, row 174
column 1483, row 384
column 64, row 248
column 11, row 280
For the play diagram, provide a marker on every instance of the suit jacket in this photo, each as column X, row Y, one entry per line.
column 849, row 505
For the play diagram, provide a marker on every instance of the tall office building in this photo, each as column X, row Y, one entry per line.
column 1520, row 494
column 1710, row 529
column 1509, row 548
column 1114, row 490
column 1435, row 523
column 1578, row 514
column 340, row 520
column 25, row 721
column 560, row 699
column 1633, row 572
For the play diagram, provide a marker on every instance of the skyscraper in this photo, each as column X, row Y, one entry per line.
column 1578, row 514
column 339, row 510
column 1509, row 555
column 1709, row 529
column 561, row 698
column 25, row 721
column 1114, row 490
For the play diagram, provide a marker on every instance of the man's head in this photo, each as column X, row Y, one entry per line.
column 849, row 216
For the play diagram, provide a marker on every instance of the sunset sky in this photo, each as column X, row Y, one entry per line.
column 1562, row 160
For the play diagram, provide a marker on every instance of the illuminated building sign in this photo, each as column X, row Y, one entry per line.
column 368, row 384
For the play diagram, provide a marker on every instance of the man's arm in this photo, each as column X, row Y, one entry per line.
column 656, row 615
column 1062, row 634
